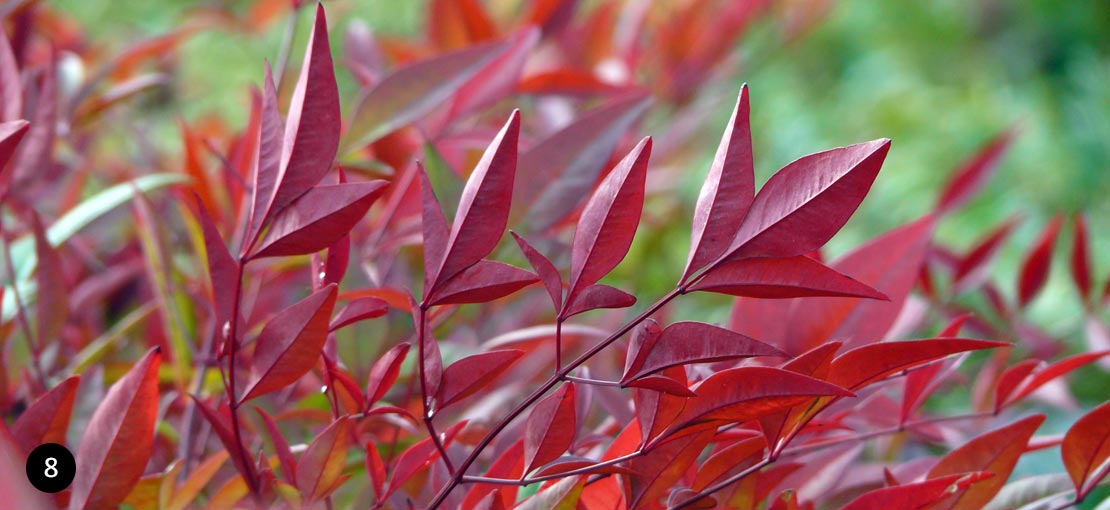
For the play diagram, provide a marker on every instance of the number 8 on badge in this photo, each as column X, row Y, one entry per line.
column 50, row 467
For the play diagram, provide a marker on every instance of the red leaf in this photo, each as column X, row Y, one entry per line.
column 34, row 156
column 267, row 166
column 11, row 133
column 434, row 228
column 566, row 81
column 727, row 193
column 11, row 94
column 1026, row 377
column 732, row 458
column 319, row 218
column 779, row 278
column 281, row 447
column 290, row 344
column 655, row 410
column 312, row 125
column 1034, row 270
column 384, row 373
column 358, row 310
column 431, row 361
column 597, row 296
column 1086, row 448
column 482, row 282
column 995, row 452
column 119, row 439
column 222, row 270
column 974, row 173
column 1080, row 263
column 805, row 203
column 563, row 166
column 497, row 79
column 657, row 471
column 458, row 23
column 916, row 496
column 692, row 342
column 47, row 418
column 550, row 428
column 221, row 425
column 741, row 394
column 418, row 457
column 976, row 264
column 609, row 221
column 52, row 307
column 571, row 463
column 466, row 376
column 484, row 206
column 547, row 272
column 508, row 466
column 322, row 463
column 375, row 468
column 862, row 366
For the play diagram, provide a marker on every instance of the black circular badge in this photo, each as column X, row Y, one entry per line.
column 51, row 467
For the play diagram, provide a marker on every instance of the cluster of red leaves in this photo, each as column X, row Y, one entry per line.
column 774, row 411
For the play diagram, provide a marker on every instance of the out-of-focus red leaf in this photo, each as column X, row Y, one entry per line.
column 52, row 307
column 597, row 296
column 375, row 469
column 267, row 164
column 14, row 485
column 547, row 272
column 864, row 365
column 358, row 310
column 509, row 465
column 322, row 463
column 814, row 363
column 563, row 166
column 727, row 193
column 571, row 463
column 484, row 206
column 498, row 77
column 11, row 95
column 1024, row 378
column 455, row 24
column 319, row 218
column 467, row 376
column 656, row 472
column 692, row 342
column 418, row 457
column 550, row 428
column 384, row 373
column 1086, row 448
column 222, row 427
column 805, row 203
column 566, row 81
column 34, row 155
column 11, row 133
column 995, row 452
column 977, row 262
column 290, row 344
column 434, row 228
column 281, row 447
column 119, row 439
column 47, row 418
column 1034, row 270
column 974, row 173
column 609, row 222
column 732, row 458
column 485, row 281
column 916, row 496
column 780, row 278
column 1080, row 258
column 551, row 15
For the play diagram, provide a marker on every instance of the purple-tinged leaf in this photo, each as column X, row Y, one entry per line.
column 805, row 203
column 321, row 464
column 693, row 342
column 916, row 496
column 11, row 133
column 973, row 268
column 384, row 373
column 35, row 153
column 467, row 376
column 434, row 225
column 281, row 447
column 727, row 193
column 267, row 165
column 47, row 418
column 11, row 94
column 290, row 344
column 1034, row 270
column 358, row 310
column 1024, row 378
column 550, row 428
column 222, row 271
column 52, row 307
column 319, row 218
column 498, row 77
column 418, row 457
column 485, row 281
column 547, row 272
column 780, row 278
column 597, row 296
column 221, row 425
column 974, row 173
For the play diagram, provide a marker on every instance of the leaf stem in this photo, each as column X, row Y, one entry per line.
column 21, row 313
column 428, row 413
column 233, row 399
column 595, row 382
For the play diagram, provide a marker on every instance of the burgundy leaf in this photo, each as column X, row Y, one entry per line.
column 435, row 229
column 661, row 468
column 418, row 457
column 805, row 203
column 597, row 296
column 35, row 154
column 222, row 271
column 358, row 310
column 1086, row 448
column 281, row 447
column 375, row 468
column 322, row 462
column 497, row 78
column 727, row 193
column 290, row 344
column 119, row 438
column 509, row 465
column 11, row 94
column 779, row 278
column 11, row 133
column 1026, row 377
column 1034, row 270
column 47, row 418
column 547, row 272
column 384, row 373
column 267, row 166
column 1080, row 261
column 319, row 218
column 52, row 307
column 655, row 410
column 996, row 452
column 430, row 361
column 975, row 172
column 467, row 376
column 694, row 342
column 916, row 496
column 609, row 221
column 482, row 282
column 864, row 365
column 662, row 384
column 550, row 428
column 221, row 425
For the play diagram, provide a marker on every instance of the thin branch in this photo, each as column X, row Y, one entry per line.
column 426, row 398
column 595, row 382
column 233, row 399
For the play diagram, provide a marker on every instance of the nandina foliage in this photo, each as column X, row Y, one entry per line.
column 325, row 309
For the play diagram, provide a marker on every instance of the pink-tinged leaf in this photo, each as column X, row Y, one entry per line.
column 1020, row 380
column 975, row 266
column 1034, row 270
column 741, row 394
column 434, row 225
column 281, row 447
column 780, row 278
column 222, row 270
column 384, row 373
column 332, row 267
column 694, row 342
column 919, row 383
column 814, row 363
column 267, row 165
column 358, row 310
column 862, row 366
column 485, row 281
column 322, row 463
column 996, row 452
column 418, row 457
column 34, row 156
column 547, row 272
column 550, row 428
column 805, row 203
column 52, row 307
column 11, row 94
column 47, row 418
column 597, row 296
column 290, row 344
column 119, row 438
column 467, row 376
column 974, row 173
column 1080, row 258
column 221, row 425
column 916, row 496
column 11, row 133
column 498, row 77
column 312, row 125
column 413, row 91
column 14, row 485
column 375, row 469
column 484, row 206
column 727, row 193
column 1086, row 449
column 608, row 223
column 319, row 218
column 564, row 166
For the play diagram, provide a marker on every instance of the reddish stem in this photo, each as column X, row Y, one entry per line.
column 233, row 342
